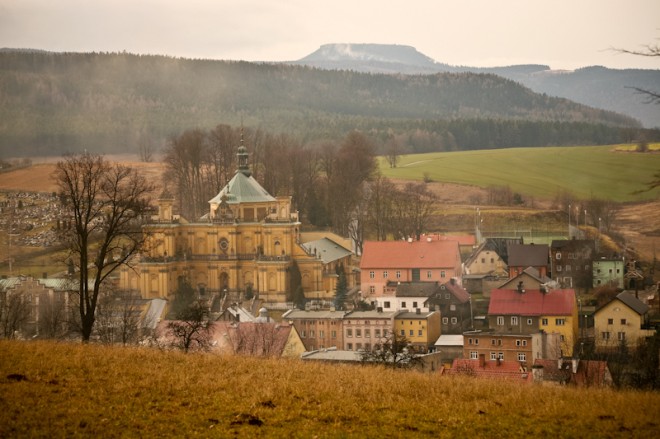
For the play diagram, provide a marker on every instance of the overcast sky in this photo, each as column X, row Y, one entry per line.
column 564, row 34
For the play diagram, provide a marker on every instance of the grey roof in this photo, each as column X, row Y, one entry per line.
column 370, row 315
column 415, row 289
column 55, row 284
column 414, row 315
column 633, row 303
column 450, row 340
column 242, row 189
column 327, row 249
column 300, row 314
column 154, row 313
column 332, row 354
column 572, row 243
column 525, row 255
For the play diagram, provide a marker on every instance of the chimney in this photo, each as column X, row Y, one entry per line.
column 482, row 361
column 521, row 290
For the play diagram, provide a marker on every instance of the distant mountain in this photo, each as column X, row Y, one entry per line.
column 114, row 102
column 599, row 87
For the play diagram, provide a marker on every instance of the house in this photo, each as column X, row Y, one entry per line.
column 571, row 262
column 580, row 373
column 511, row 371
column 466, row 243
column 454, row 303
column 317, row 329
column 421, row 329
column 364, row 330
column 261, row 339
column 527, row 311
column 407, row 261
column 449, row 347
column 523, row 348
column 491, row 257
column 333, row 255
column 608, row 271
column 236, row 313
column 405, row 296
column 621, row 322
column 522, row 256
column 246, row 244
column 529, row 279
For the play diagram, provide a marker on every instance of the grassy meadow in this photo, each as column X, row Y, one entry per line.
column 58, row 389
column 609, row 172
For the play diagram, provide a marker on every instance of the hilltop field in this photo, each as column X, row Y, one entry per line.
column 461, row 180
column 64, row 389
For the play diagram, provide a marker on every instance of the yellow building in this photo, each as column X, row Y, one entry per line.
column 421, row 329
column 622, row 321
column 249, row 240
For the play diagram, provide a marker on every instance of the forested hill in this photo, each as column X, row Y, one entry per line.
column 57, row 102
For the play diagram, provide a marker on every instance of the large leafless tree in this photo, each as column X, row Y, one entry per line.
column 105, row 203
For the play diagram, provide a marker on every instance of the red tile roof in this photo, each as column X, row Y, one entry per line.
column 457, row 291
column 404, row 254
column 531, row 302
column 501, row 370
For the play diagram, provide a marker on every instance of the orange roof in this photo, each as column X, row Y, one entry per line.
column 405, row 254
column 499, row 370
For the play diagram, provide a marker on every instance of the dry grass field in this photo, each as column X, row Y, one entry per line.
column 50, row 389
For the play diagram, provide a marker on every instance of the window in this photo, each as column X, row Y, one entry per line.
column 518, row 343
column 605, row 335
column 522, row 356
column 419, row 333
column 403, row 304
column 442, row 273
column 386, row 304
column 514, row 320
column 558, row 256
column 384, row 274
column 349, row 346
column 492, row 260
column 372, row 275
column 476, row 341
column 524, row 342
column 358, row 346
column 349, row 332
column 500, row 321
column 493, row 356
column 499, row 342
column 447, row 296
column 500, row 355
column 358, row 332
column 367, row 333
column 398, row 274
column 623, row 321
column 377, row 333
column 333, row 334
column 303, row 334
column 414, row 304
column 372, row 289
column 544, row 322
column 560, row 322
column 469, row 341
column 452, row 307
column 429, row 274
column 445, row 320
column 483, row 260
column 454, row 320
column 621, row 336
column 530, row 321
column 558, row 267
column 321, row 334
column 403, row 333
column 412, row 332
column 474, row 355
column 492, row 341
column 311, row 333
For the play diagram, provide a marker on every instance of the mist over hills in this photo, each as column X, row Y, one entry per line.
column 595, row 86
column 113, row 102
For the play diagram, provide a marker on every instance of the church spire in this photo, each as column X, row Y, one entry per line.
column 242, row 156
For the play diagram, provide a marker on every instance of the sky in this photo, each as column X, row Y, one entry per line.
column 564, row 34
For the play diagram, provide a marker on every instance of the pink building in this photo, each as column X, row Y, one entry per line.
column 407, row 261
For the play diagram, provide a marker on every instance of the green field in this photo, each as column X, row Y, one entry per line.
column 608, row 172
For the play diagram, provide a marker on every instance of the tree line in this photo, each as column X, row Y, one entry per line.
column 116, row 103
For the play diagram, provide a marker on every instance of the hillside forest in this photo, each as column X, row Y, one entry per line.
column 121, row 103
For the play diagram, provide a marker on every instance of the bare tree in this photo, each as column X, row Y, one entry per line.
column 652, row 96
column 380, row 209
column 106, row 203
column 118, row 319
column 14, row 312
column 54, row 318
column 395, row 351
column 191, row 330
column 256, row 339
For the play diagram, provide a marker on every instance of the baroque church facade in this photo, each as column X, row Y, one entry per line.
column 248, row 241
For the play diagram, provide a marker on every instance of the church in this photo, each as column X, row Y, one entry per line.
column 246, row 245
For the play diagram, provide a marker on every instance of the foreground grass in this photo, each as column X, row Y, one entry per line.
column 57, row 389
column 609, row 172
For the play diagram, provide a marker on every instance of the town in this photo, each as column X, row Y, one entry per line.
column 519, row 308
